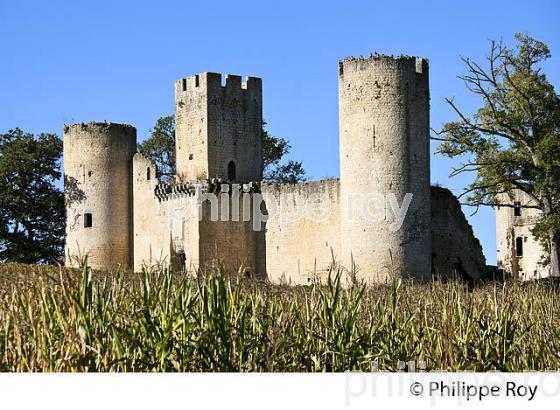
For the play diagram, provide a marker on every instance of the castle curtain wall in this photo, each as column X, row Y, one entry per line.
column 302, row 234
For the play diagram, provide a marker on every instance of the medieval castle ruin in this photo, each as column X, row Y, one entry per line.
column 380, row 218
column 519, row 253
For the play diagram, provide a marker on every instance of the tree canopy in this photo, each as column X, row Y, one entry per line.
column 160, row 147
column 512, row 142
column 31, row 205
column 274, row 150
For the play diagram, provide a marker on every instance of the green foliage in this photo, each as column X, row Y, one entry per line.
column 31, row 206
column 160, row 147
column 274, row 150
column 512, row 141
column 290, row 173
column 59, row 320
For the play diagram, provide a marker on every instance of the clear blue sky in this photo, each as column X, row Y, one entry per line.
column 64, row 62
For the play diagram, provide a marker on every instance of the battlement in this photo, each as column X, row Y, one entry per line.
column 352, row 64
column 95, row 137
column 97, row 126
column 164, row 192
column 207, row 81
column 219, row 124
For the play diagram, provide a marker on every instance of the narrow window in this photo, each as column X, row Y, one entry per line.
column 148, row 174
column 184, row 84
column 88, row 220
column 231, row 171
column 196, row 82
column 517, row 208
column 519, row 246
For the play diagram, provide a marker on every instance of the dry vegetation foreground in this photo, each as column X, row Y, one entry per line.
column 58, row 320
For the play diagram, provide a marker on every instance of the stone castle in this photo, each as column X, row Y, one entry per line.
column 519, row 253
column 119, row 214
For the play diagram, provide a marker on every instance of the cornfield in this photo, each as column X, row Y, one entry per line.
column 53, row 319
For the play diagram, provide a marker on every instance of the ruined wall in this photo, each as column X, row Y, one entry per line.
column 456, row 252
column 218, row 125
column 98, row 187
column 183, row 230
column 152, row 239
column 303, row 232
column 384, row 150
column 166, row 223
column 227, row 236
column 193, row 226
column 509, row 227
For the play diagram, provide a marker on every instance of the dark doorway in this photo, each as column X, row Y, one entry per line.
column 519, row 246
column 231, row 172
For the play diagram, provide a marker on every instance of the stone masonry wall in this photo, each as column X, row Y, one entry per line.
column 509, row 227
column 191, row 116
column 384, row 150
column 303, row 239
column 228, row 241
column 234, row 127
column 456, row 252
column 191, row 226
column 217, row 125
column 152, row 238
column 97, row 169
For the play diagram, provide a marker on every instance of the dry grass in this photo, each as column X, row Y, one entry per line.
column 59, row 320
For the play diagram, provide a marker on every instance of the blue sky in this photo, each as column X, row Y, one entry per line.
column 64, row 62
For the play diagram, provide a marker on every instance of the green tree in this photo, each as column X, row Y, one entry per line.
column 31, row 205
column 289, row 173
column 512, row 142
column 274, row 150
column 160, row 147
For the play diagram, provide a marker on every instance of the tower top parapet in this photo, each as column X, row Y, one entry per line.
column 420, row 64
column 99, row 126
column 209, row 80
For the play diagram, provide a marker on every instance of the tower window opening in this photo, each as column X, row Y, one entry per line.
column 196, row 82
column 231, row 171
column 517, row 208
column 184, row 84
column 88, row 220
column 519, row 246
column 148, row 174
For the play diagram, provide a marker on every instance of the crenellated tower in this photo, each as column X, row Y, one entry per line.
column 218, row 128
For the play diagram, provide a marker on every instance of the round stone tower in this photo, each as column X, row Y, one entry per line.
column 98, row 191
column 385, row 165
